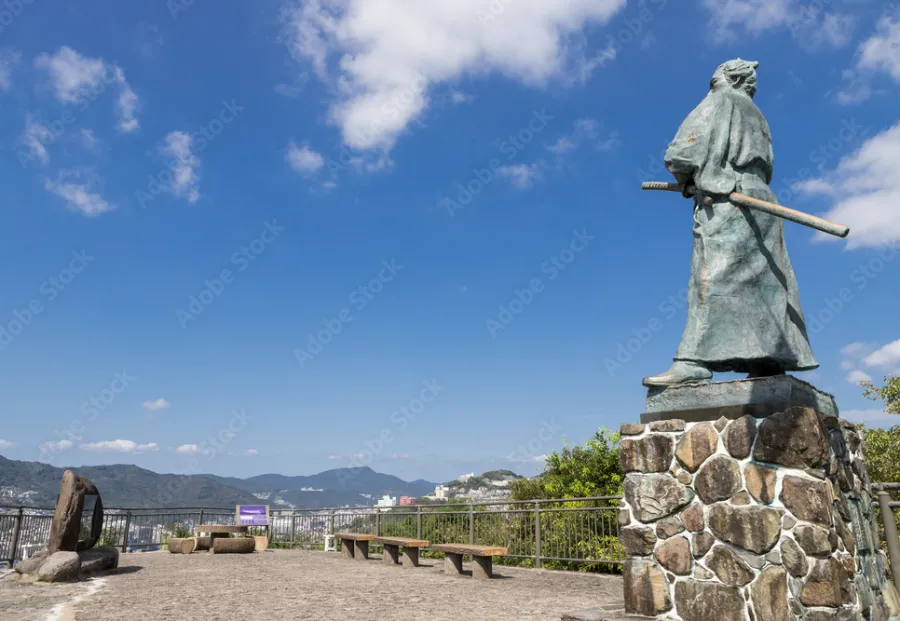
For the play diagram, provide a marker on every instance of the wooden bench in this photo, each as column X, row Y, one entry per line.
column 219, row 530
column 481, row 555
column 410, row 547
column 355, row 545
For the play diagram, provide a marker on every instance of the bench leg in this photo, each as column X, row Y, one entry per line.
column 482, row 568
column 361, row 550
column 347, row 548
column 452, row 563
column 391, row 555
column 410, row 557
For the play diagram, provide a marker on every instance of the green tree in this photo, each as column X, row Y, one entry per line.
column 577, row 472
column 882, row 450
column 889, row 393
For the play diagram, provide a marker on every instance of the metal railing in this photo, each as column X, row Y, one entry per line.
column 562, row 532
column 558, row 532
column 888, row 508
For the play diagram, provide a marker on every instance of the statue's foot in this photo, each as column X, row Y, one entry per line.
column 681, row 372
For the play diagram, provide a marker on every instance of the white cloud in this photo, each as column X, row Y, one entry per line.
column 74, row 77
column 885, row 357
column 56, row 447
column 459, row 97
column 857, row 376
column 33, row 138
column 522, row 176
column 78, row 186
column 811, row 26
column 563, row 145
column 192, row 449
column 870, row 417
column 159, row 404
column 10, row 60
column 80, row 79
column 878, row 53
column 185, row 183
column 5, row 445
column 247, row 453
column 584, row 131
column 382, row 58
column 868, row 184
column 303, row 159
column 584, row 67
column 846, row 365
column 119, row 446
column 858, row 349
column 127, row 104
column 88, row 139
column 881, row 51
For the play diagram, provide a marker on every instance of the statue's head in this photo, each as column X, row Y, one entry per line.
column 738, row 74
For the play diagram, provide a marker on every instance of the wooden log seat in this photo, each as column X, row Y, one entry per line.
column 355, row 545
column 233, row 545
column 410, row 547
column 181, row 545
column 481, row 556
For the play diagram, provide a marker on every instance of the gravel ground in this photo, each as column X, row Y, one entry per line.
column 287, row 585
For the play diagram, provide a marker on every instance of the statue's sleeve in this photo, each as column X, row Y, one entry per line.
column 699, row 152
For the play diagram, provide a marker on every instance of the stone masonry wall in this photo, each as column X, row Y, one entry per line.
column 751, row 520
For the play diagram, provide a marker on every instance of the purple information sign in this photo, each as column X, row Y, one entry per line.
column 253, row 515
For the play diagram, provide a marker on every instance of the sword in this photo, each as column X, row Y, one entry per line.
column 820, row 224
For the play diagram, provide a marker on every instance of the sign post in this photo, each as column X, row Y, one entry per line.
column 252, row 515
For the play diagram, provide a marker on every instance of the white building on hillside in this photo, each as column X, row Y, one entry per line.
column 466, row 477
column 387, row 501
column 440, row 492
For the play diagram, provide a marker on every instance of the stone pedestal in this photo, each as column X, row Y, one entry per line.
column 761, row 512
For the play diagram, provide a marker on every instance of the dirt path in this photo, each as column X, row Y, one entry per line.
column 293, row 585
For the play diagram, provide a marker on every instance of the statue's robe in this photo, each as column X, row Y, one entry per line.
column 743, row 304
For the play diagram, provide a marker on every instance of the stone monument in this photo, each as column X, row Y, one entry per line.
column 745, row 500
column 69, row 556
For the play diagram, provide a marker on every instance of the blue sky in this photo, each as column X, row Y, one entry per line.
column 285, row 236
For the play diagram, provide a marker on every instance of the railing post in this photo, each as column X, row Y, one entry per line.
column 14, row 543
column 471, row 524
column 127, row 528
column 537, row 535
column 293, row 527
column 331, row 521
column 418, row 522
column 377, row 523
column 890, row 535
column 201, row 516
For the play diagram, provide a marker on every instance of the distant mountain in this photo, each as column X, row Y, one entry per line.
column 127, row 486
column 120, row 485
column 332, row 488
